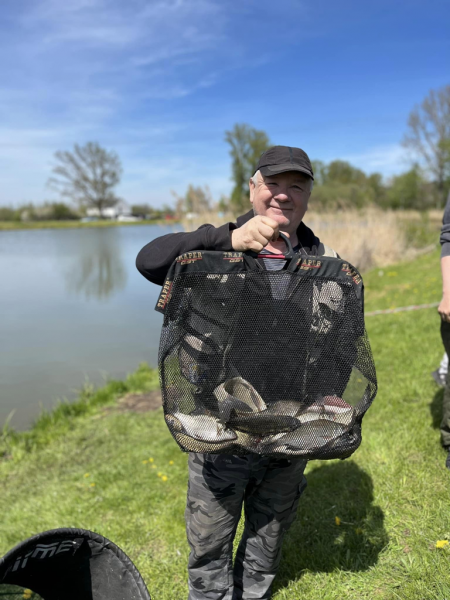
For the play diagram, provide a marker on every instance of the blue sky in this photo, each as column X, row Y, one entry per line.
column 159, row 82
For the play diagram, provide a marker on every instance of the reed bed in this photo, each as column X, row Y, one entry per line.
column 370, row 238
column 366, row 238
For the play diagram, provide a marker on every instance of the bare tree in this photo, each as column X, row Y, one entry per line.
column 196, row 200
column 87, row 176
column 429, row 135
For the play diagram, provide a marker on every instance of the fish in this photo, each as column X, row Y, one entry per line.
column 194, row 358
column 247, row 441
column 201, row 427
column 242, row 440
column 306, row 439
column 195, row 445
column 237, row 394
column 328, row 300
column 285, row 407
column 329, row 408
column 262, row 423
column 173, row 423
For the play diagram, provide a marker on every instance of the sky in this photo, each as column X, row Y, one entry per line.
column 160, row 81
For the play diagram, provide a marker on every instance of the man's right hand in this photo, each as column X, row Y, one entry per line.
column 255, row 234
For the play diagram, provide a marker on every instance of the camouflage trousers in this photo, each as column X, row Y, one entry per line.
column 445, row 423
column 269, row 489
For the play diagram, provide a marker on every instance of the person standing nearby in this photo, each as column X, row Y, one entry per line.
column 219, row 486
column 444, row 311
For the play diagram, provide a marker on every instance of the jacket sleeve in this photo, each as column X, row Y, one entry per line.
column 155, row 259
column 445, row 231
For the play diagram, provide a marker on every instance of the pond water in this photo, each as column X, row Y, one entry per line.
column 73, row 309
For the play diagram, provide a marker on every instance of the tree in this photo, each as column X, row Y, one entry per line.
column 341, row 171
column 88, row 176
column 429, row 136
column 407, row 191
column 247, row 145
column 196, row 200
column 319, row 170
column 58, row 211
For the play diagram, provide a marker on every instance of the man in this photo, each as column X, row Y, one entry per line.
column 268, row 488
column 444, row 311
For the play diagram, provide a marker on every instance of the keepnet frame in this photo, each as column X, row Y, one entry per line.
column 276, row 363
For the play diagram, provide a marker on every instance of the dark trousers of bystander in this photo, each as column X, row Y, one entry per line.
column 269, row 489
column 445, row 423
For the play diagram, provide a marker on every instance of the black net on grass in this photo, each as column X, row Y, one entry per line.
column 70, row 564
column 270, row 362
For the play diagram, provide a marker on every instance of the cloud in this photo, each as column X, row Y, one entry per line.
column 388, row 160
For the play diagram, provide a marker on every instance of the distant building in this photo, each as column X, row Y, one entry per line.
column 121, row 211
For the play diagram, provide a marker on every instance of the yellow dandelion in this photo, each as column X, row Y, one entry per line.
column 150, row 460
column 337, row 520
column 153, row 466
column 86, row 474
column 164, row 477
column 92, row 485
column 27, row 594
column 144, row 462
column 441, row 543
column 159, row 474
column 170, row 462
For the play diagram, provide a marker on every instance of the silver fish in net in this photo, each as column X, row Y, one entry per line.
column 239, row 395
column 330, row 408
column 200, row 427
column 242, row 440
column 309, row 437
column 285, row 407
column 263, row 423
column 195, row 356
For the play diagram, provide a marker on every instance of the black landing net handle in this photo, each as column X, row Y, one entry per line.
column 290, row 256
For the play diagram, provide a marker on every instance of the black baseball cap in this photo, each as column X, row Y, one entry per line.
column 280, row 159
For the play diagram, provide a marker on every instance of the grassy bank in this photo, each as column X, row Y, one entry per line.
column 122, row 475
column 17, row 225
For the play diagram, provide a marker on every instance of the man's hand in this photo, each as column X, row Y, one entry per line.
column 255, row 234
column 444, row 308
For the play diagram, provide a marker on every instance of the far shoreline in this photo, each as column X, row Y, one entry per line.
column 75, row 224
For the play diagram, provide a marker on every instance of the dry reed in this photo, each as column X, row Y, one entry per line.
column 369, row 238
column 366, row 238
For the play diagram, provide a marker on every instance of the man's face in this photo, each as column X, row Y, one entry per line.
column 283, row 198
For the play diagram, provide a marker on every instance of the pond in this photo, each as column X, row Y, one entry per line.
column 74, row 309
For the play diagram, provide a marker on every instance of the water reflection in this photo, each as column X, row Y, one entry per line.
column 99, row 269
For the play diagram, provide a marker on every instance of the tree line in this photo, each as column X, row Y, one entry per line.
column 88, row 175
column 339, row 184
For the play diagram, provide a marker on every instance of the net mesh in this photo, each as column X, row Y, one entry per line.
column 265, row 362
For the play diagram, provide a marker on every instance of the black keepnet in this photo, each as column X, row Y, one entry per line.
column 268, row 362
column 71, row 564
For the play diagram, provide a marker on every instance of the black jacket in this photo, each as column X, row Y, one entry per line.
column 154, row 260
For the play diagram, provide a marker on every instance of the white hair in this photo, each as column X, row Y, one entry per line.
column 256, row 177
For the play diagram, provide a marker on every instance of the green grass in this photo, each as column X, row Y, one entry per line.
column 15, row 225
column 392, row 495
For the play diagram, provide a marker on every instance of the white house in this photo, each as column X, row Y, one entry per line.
column 121, row 212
